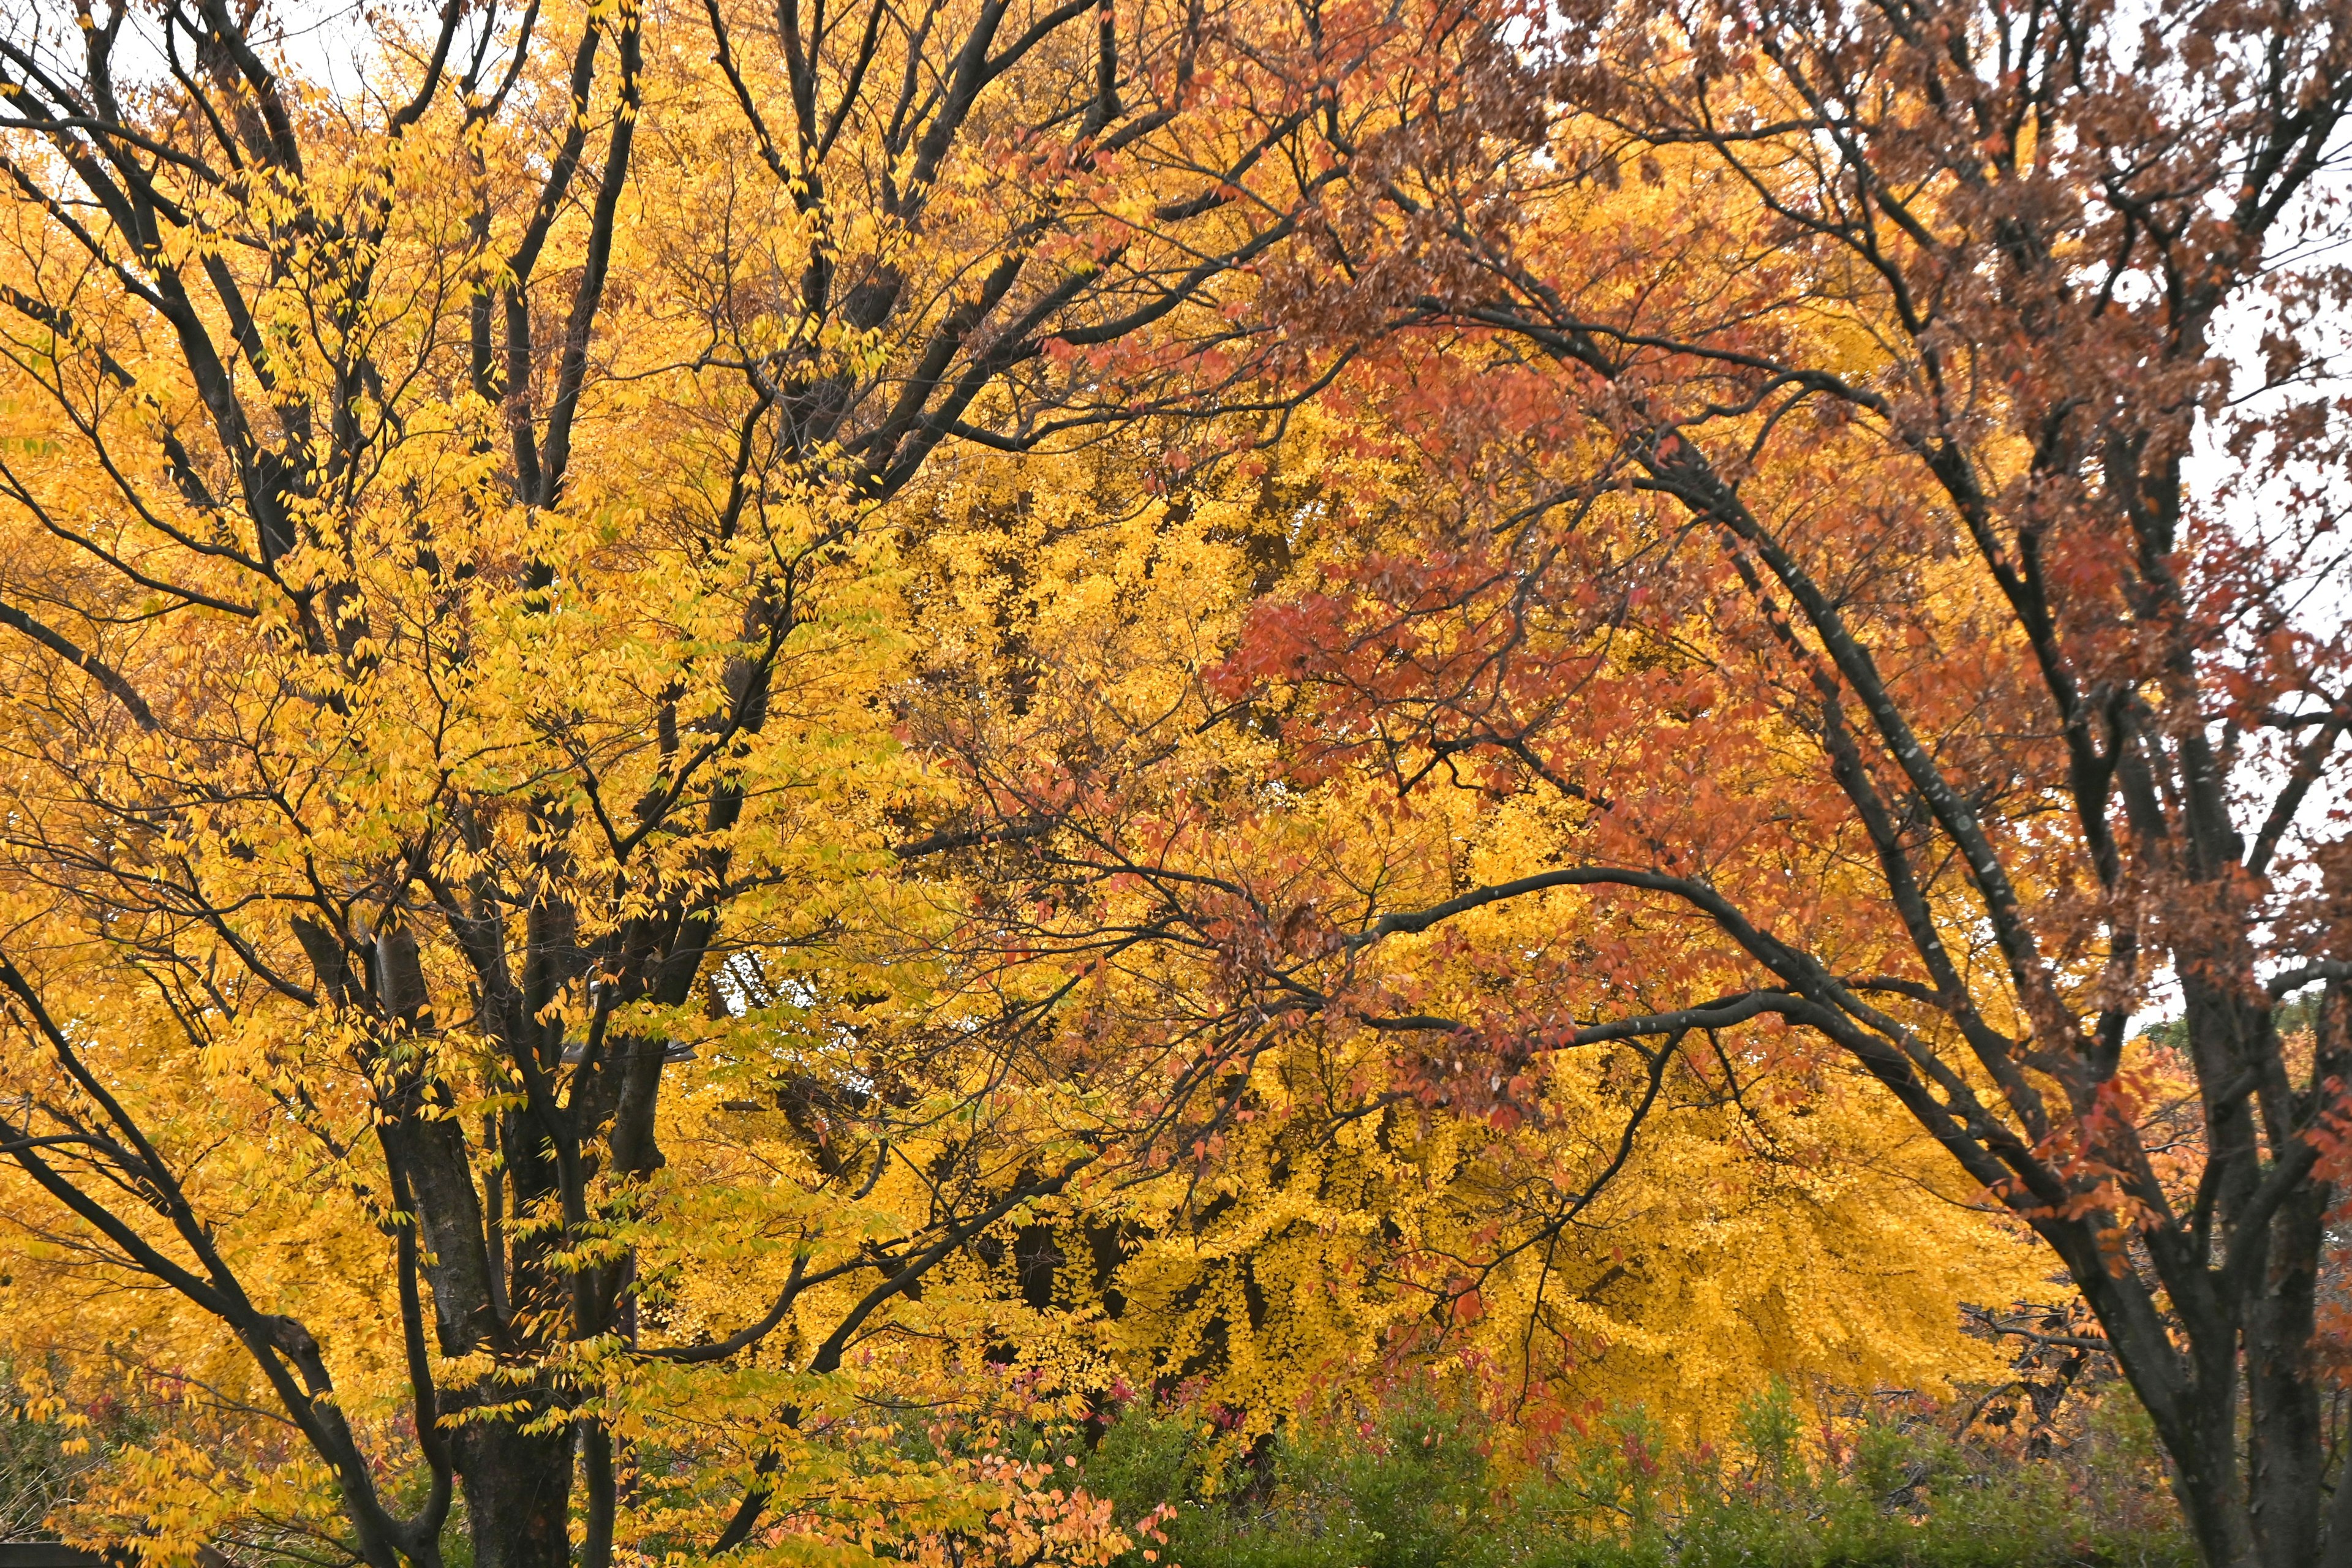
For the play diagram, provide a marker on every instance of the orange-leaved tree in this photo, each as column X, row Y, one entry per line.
column 1898, row 546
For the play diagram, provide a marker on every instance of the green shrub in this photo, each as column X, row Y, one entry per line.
column 1416, row 1485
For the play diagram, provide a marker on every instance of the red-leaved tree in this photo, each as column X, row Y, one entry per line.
column 1869, row 474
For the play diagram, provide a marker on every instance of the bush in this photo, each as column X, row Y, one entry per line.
column 1419, row 1486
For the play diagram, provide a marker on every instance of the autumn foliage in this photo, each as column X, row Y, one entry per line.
column 755, row 755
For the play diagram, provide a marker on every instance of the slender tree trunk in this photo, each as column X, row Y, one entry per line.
column 2286, row 1454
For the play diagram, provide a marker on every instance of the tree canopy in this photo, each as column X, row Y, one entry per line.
column 749, row 746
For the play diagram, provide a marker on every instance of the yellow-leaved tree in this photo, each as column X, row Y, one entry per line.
column 445, row 623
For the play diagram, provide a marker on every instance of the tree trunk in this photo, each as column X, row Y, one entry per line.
column 518, row 1488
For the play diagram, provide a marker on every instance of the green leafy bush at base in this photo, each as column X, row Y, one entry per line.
column 1419, row 1486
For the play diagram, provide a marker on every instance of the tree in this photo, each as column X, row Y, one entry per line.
column 446, row 627
column 1899, row 539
